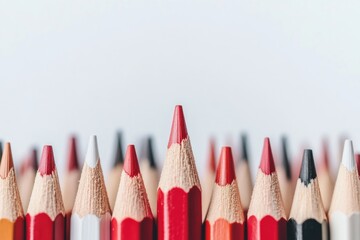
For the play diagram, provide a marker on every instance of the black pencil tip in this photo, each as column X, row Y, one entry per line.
column 149, row 152
column 244, row 147
column 308, row 171
column 285, row 158
column 1, row 150
column 119, row 154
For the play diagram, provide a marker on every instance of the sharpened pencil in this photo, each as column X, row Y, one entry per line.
column 208, row 180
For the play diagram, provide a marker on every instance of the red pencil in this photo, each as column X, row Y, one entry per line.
column 266, row 216
column 45, row 216
column 179, row 192
column 132, row 218
column 225, row 218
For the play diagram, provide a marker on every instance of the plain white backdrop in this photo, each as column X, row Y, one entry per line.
column 267, row 67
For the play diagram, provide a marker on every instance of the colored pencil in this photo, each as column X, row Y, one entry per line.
column 243, row 174
column 11, row 211
column 1, row 150
column 27, row 174
column 91, row 215
column 357, row 159
column 344, row 213
column 70, row 184
column 225, row 218
column 208, row 180
column 326, row 181
column 179, row 192
column 285, row 177
column 132, row 218
column 45, row 218
column 266, row 216
column 150, row 173
column 113, row 180
column 307, row 219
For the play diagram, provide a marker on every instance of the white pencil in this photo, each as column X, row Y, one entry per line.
column 91, row 214
column 344, row 213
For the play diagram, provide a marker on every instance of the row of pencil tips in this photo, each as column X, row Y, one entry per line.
column 136, row 204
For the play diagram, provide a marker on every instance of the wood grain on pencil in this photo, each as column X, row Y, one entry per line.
column 179, row 192
column 11, row 211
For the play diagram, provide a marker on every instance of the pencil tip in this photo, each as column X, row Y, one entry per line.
column 285, row 158
column 348, row 155
column 308, row 171
column 34, row 159
column 225, row 172
column 47, row 163
column 1, row 150
column 211, row 160
column 131, row 164
column 92, row 154
column 119, row 155
column 73, row 163
column 244, row 148
column 267, row 165
column 357, row 158
column 149, row 152
column 178, row 128
column 6, row 161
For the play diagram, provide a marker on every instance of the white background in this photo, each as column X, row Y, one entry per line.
column 267, row 67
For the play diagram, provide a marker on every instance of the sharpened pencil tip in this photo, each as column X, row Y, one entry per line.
column 73, row 163
column 357, row 158
column 225, row 172
column 348, row 155
column 92, row 155
column 267, row 164
column 178, row 129
column 119, row 155
column 47, row 163
column 285, row 158
column 244, row 148
column 308, row 171
column 149, row 152
column 131, row 164
column 6, row 161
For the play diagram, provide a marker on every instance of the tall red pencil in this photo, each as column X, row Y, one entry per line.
column 11, row 211
column 266, row 216
column 45, row 216
column 225, row 218
column 132, row 218
column 179, row 192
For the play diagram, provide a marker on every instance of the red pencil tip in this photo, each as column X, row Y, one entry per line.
column 47, row 163
column 72, row 163
column 178, row 128
column 211, row 160
column 131, row 164
column 267, row 165
column 6, row 162
column 357, row 158
column 225, row 172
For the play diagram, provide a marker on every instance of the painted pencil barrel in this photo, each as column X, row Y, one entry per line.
column 41, row 226
column 223, row 230
column 12, row 230
column 344, row 227
column 308, row 230
column 266, row 228
column 90, row 227
column 130, row 229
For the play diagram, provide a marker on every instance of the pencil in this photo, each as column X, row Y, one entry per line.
column 91, row 215
column 27, row 174
column 225, row 218
column 344, row 213
column 208, row 181
column 307, row 219
column 1, row 150
column 326, row 182
column 11, row 211
column 266, row 216
column 150, row 173
column 71, row 181
column 357, row 159
column 285, row 177
column 179, row 192
column 45, row 215
column 132, row 218
column 243, row 174
column 113, row 180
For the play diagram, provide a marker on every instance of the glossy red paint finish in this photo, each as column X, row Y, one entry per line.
column 130, row 229
column 179, row 214
column 73, row 163
column 67, row 225
column 225, row 172
column 178, row 129
column 267, row 164
column 42, row 227
column 266, row 229
column 131, row 164
column 47, row 163
column 223, row 230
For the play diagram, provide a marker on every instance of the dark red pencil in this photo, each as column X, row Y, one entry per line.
column 225, row 218
column 266, row 216
column 179, row 192
column 132, row 218
column 45, row 216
